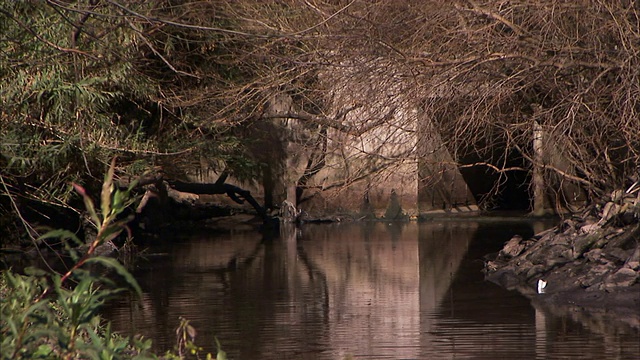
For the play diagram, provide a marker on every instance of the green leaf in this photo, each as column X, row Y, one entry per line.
column 60, row 234
column 88, row 204
column 43, row 351
column 119, row 201
column 110, row 233
column 114, row 264
column 34, row 271
column 221, row 354
column 107, row 188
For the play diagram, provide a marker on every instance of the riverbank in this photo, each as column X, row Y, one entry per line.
column 589, row 262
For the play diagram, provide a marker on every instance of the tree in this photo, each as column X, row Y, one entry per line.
column 154, row 81
column 574, row 62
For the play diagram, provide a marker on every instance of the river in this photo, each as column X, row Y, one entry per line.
column 368, row 290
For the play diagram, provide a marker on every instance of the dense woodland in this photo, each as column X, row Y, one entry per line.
column 163, row 84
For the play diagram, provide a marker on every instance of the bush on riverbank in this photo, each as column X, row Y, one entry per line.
column 49, row 315
column 65, row 324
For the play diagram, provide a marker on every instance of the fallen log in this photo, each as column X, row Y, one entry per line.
column 235, row 193
column 158, row 186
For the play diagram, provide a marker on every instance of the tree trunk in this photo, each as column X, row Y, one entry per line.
column 537, row 180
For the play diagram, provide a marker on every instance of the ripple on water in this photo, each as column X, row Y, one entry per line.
column 366, row 290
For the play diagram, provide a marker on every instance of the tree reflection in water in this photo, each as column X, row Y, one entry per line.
column 373, row 289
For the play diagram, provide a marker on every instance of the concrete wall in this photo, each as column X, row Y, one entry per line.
column 382, row 158
column 363, row 171
column 391, row 162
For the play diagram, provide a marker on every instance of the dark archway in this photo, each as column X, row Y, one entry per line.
column 499, row 191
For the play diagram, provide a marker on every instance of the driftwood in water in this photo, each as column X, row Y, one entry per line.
column 235, row 193
column 144, row 180
column 159, row 189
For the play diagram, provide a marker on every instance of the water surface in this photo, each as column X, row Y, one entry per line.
column 374, row 290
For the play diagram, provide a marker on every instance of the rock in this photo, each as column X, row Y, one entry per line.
column 588, row 281
column 633, row 262
column 624, row 277
column 106, row 249
column 490, row 266
column 555, row 261
column 628, row 217
column 589, row 228
column 566, row 225
column 617, row 195
column 625, row 240
column 617, row 255
column 600, row 270
column 610, row 210
column 588, row 257
column 612, row 233
column 535, row 270
column 522, row 267
column 593, row 279
column 513, row 247
column 594, row 255
column 562, row 239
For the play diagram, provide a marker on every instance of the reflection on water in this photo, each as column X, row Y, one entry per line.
column 367, row 290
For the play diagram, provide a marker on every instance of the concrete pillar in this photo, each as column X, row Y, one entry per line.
column 441, row 185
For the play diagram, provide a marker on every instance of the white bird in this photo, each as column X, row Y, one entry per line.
column 541, row 286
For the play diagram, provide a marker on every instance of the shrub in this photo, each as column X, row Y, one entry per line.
column 48, row 315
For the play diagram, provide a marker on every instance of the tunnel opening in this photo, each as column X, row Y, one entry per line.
column 495, row 190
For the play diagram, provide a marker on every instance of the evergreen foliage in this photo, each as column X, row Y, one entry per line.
column 81, row 83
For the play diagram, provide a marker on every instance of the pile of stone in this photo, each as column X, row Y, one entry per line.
column 586, row 256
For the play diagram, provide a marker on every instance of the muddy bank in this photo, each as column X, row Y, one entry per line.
column 589, row 262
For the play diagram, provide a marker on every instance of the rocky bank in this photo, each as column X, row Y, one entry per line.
column 590, row 262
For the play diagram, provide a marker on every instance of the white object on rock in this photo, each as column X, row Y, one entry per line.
column 541, row 286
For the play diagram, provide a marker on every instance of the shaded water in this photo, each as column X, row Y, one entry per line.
column 367, row 290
